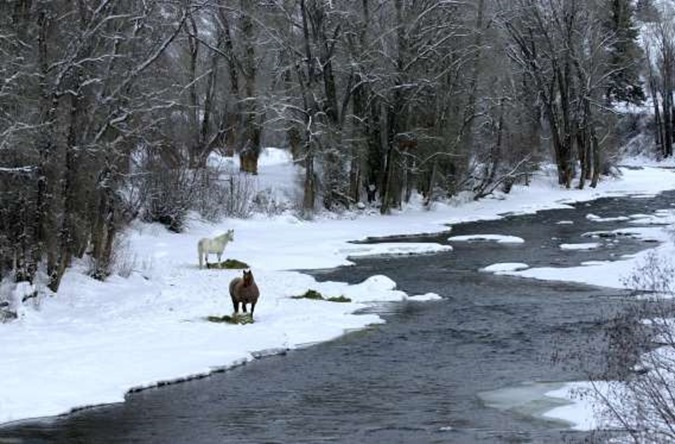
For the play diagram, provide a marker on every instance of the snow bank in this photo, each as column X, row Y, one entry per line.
column 505, row 267
column 499, row 238
column 583, row 246
column 393, row 249
column 94, row 341
column 425, row 297
column 596, row 218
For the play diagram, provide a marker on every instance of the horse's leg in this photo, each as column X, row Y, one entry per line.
column 235, row 304
column 199, row 252
column 243, row 307
column 219, row 255
column 252, row 308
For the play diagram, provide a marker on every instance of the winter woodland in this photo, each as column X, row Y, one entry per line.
column 111, row 109
column 120, row 113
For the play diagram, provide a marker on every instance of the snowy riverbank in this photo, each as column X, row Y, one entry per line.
column 95, row 341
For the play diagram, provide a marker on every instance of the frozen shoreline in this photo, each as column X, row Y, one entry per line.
column 94, row 341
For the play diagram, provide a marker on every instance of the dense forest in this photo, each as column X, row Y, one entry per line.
column 110, row 109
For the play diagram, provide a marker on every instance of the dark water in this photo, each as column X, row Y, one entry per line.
column 419, row 377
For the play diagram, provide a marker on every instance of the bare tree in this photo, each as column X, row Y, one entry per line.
column 660, row 54
column 81, row 66
column 564, row 48
column 376, row 100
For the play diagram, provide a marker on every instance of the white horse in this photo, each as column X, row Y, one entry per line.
column 215, row 245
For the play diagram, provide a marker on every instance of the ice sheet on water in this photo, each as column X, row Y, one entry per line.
column 528, row 398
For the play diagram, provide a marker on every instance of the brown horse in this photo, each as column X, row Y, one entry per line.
column 245, row 291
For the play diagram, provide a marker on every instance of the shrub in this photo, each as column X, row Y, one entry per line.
column 224, row 194
column 641, row 400
column 164, row 192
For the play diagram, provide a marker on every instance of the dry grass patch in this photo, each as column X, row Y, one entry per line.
column 316, row 296
column 234, row 319
column 228, row 264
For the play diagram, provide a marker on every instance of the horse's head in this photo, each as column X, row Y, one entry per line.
column 228, row 236
column 248, row 278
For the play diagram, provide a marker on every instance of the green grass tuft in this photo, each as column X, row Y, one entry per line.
column 234, row 320
column 316, row 296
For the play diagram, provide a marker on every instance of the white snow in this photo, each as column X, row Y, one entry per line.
column 579, row 410
column 588, row 263
column 596, row 218
column 579, row 415
column 583, row 246
column 661, row 217
column 604, row 274
column 94, row 341
column 505, row 267
column 529, row 398
column 425, row 297
column 392, row 249
column 499, row 238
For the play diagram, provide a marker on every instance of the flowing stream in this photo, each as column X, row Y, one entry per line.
column 471, row 367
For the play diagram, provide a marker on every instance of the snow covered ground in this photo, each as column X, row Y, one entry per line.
column 95, row 341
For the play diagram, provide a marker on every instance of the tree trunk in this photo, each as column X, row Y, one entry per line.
column 667, row 122
column 469, row 115
column 250, row 150
column 596, row 159
column 359, row 132
column 430, row 187
column 68, row 230
column 43, row 224
column 309, row 198
column 233, row 115
column 193, row 111
column 396, row 115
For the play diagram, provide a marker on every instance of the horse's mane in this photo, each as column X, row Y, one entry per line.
column 224, row 235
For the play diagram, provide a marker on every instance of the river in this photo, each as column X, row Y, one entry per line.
column 468, row 368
